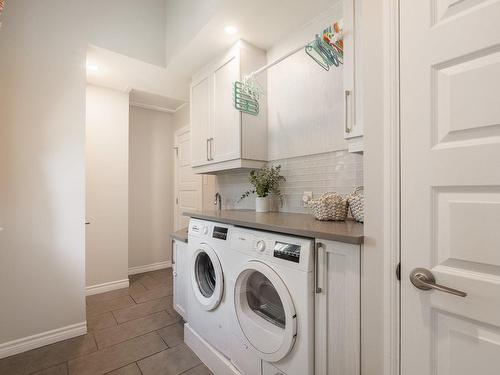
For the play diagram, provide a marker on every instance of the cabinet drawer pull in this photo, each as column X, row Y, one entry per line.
column 208, row 142
column 347, row 93
column 318, row 266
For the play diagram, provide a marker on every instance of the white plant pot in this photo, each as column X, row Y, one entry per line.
column 262, row 204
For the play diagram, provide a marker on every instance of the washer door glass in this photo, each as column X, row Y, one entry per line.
column 207, row 277
column 205, row 274
column 265, row 311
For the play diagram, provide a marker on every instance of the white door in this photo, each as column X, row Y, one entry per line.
column 188, row 185
column 450, row 192
column 200, row 122
column 226, row 143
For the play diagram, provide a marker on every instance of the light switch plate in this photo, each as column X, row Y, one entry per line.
column 306, row 197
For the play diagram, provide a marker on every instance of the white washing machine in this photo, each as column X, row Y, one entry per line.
column 208, row 311
column 271, row 283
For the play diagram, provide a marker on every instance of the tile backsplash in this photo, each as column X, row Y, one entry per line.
column 339, row 171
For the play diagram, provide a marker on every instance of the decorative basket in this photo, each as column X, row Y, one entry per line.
column 357, row 204
column 330, row 206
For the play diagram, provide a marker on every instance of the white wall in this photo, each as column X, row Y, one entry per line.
column 305, row 102
column 42, row 185
column 151, row 181
column 130, row 27
column 181, row 117
column 107, row 154
column 178, row 31
column 42, row 159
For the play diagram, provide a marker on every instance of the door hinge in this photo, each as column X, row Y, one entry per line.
column 176, row 150
column 176, row 200
column 398, row 271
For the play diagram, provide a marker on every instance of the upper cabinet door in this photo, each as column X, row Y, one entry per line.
column 353, row 117
column 226, row 144
column 200, row 122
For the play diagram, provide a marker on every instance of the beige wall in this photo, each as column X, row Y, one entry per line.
column 106, row 186
column 42, row 185
column 181, row 117
column 151, row 181
column 42, row 154
column 129, row 27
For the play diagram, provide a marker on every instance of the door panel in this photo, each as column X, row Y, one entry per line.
column 200, row 122
column 189, row 189
column 226, row 124
column 450, row 185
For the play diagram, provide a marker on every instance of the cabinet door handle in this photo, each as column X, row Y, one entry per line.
column 211, row 142
column 208, row 142
column 347, row 93
column 318, row 266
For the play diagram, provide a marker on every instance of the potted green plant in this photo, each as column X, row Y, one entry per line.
column 265, row 181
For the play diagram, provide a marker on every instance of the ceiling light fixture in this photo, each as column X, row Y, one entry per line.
column 92, row 67
column 231, row 30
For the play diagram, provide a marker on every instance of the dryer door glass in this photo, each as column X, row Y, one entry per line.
column 265, row 311
column 264, row 300
column 205, row 274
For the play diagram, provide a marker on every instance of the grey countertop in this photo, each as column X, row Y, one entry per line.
column 290, row 223
column 181, row 235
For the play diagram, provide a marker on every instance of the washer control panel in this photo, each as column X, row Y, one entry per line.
column 208, row 230
column 220, row 233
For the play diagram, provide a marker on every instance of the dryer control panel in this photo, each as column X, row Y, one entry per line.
column 294, row 252
column 287, row 251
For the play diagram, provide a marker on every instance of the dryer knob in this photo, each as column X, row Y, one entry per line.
column 205, row 230
column 261, row 246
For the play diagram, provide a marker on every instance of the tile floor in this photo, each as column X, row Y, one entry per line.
column 131, row 331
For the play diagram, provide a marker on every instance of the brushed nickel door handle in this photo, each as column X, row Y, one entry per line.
column 208, row 142
column 423, row 279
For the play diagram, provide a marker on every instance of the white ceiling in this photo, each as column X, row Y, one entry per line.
column 196, row 36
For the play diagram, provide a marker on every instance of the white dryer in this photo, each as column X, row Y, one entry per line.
column 272, row 296
column 208, row 312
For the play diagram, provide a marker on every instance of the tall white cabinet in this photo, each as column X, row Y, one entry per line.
column 223, row 138
column 337, row 308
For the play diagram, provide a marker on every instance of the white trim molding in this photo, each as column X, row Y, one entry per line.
column 391, row 185
column 150, row 267
column 157, row 107
column 106, row 287
column 41, row 339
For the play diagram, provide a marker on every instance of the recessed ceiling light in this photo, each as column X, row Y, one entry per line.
column 92, row 67
column 231, row 30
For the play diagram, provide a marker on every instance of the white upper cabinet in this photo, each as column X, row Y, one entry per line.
column 226, row 119
column 200, row 113
column 222, row 137
column 353, row 116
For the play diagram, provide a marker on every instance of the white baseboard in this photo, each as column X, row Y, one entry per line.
column 41, row 339
column 106, row 287
column 149, row 267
